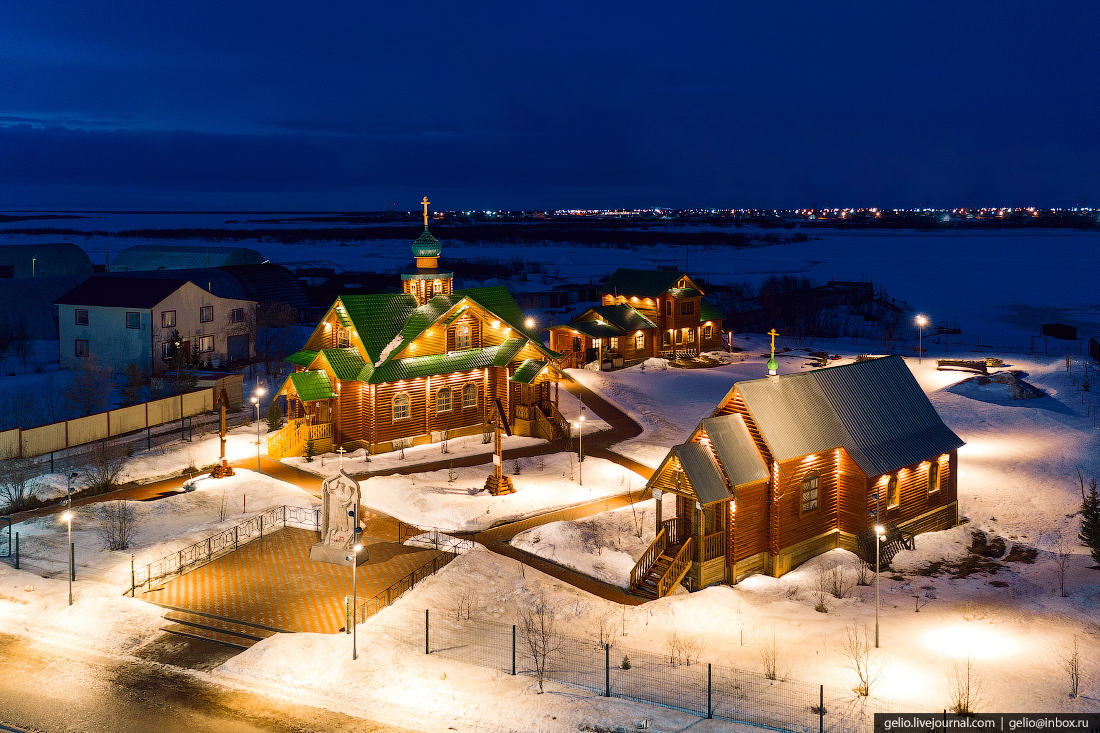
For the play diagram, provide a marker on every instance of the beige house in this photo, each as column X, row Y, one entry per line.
column 119, row 321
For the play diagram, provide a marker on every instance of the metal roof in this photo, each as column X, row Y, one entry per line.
column 874, row 409
column 303, row 358
column 50, row 259
column 735, row 449
column 708, row 312
column 703, row 473
column 457, row 361
column 643, row 283
column 623, row 316
column 595, row 329
column 346, row 363
column 105, row 291
column 179, row 257
column 311, row 386
column 528, row 371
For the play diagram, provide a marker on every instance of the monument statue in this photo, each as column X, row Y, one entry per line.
column 340, row 496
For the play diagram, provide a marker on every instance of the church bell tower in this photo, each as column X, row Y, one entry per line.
column 427, row 280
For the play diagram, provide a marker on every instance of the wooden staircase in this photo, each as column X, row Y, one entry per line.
column 220, row 630
column 664, row 564
column 650, row 585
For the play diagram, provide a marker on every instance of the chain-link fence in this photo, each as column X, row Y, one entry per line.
column 677, row 682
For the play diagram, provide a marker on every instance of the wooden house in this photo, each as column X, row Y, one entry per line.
column 643, row 313
column 791, row 466
column 389, row 371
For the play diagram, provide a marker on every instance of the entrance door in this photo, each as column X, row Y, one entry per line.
column 238, row 348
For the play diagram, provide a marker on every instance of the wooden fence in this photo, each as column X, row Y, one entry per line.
column 39, row 441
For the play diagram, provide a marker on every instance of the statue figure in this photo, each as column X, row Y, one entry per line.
column 340, row 495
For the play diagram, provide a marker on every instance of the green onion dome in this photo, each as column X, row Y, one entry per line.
column 426, row 245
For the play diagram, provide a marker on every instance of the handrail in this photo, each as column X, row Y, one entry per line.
column 676, row 571
column 672, row 527
column 374, row 604
column 713, row 546
column 645, row 562
column 281, row 442
column 545, row 427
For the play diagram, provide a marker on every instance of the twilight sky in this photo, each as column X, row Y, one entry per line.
column 346, row 105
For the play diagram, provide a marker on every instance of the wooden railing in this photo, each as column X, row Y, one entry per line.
column 671, row 527
column 523, row 412
column 546, row 430
column 713, row 546
column 645, row 562
column 555, row 417
column 291, row 439
column 676, row 571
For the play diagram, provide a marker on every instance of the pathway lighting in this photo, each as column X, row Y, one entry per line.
column 880, row 535
column 354, row 559
column 260, row 392
column 67, row 517
column 921, row 323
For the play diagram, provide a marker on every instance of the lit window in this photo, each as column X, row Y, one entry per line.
column 133, row 320
column 167, row 319
column 469, row 395
column 577, row 345
column 401, row 406
column 689, row 335
column 206, row 344
column 934, row 477
column 462, row 338
column 81, row 317
column 708, row 331
column 343, row 338
column 614, row 343
column 236, row 315
column 443, row 400
column 666, row 338
column 679, row 337
column 639, row 342
column 809, row 492
column 206, row 314
column 892, row 492
column 81, row 347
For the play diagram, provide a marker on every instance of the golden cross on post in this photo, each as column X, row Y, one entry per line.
column 773, row 333
column 341, row 451
column 425, row 202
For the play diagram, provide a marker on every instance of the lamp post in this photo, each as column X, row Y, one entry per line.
column 921, row 321
column 579, row 425
column 260, row 392
column 879, row 536
column 354, row 558
column 68, row 518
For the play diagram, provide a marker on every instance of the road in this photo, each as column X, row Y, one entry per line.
column 47, row 688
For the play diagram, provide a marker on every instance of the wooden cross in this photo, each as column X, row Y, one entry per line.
column 425, row 202
column 773, row 334
column 341, row 451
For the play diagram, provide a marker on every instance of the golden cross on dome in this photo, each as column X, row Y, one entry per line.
column 773, row 334
column 425, row 202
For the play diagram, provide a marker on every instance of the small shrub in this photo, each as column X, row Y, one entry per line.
column 965, row 688
column 311, row 450
column 625, row 664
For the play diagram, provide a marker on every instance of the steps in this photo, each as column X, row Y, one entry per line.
column 220, row 630
column 647, row 588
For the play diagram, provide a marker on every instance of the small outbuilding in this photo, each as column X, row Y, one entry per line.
column 181, row 257
column 43, row 260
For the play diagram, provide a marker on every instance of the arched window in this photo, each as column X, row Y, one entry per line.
column 462, row 338
column 401, row 406
column 443, row 400
column 708, row 332
column 809, row 492
column 469, row 395
column 933, row 477
column 437, row 287
column 892, row 492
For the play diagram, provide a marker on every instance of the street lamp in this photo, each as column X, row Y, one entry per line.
column 879, row 537
column 921, row 321
column 354, row 559
column 68, row 517
column 579, row 425
column 260, row 392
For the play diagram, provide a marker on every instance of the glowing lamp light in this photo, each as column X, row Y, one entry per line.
column 530, row 322
column 880, row 530
column 254, row 400
column 496, row 324
column 67, row 517
column 922, row 321
column 974, row 641
column 357, row 548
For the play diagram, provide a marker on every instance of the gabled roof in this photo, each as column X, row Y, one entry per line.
column 875, row 410
column 414, row 367
column 701, row 470
column 623, row 316
column 643, row 283
column 594, row 329
column 303, row 358
column 708, row 312
column 313, row 385
column 346, row 363
column 378, row 318
column 108, row 292
column 528, row 371
column 735, row 449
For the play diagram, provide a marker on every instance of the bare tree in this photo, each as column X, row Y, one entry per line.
column 1071, row 662
column 965, row 688
column 22, row 344
column 540, row 635
column 105, row 464
column 840, row 585
column 603, row 634
column 274, row 330
column 118, row 523
column 822, row 585
column 19, row 483
column 858, row 652
column 90, row 388
column 864, row 573
column 1063, row 553
column 768, row 653
column 683, row 648
column 592, row 535
column 464, row 606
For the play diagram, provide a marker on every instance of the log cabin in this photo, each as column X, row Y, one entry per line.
column 389, row 371
column 643, row 313
column 788, row 467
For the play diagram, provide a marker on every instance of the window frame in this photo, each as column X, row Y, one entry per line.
column 639, row 342
column 167, row 319
column 76, row 316
column 687, row 307
column 469, row 388
column 811, row 494
column 164, row 346
column 439, row 400
column 204, row 311
column 613, row 344
column 203, row 340
column 87, row 349
column 137, row 317
column 405, row 403
column 893, row 486
column 460, row 332
column 708, row 331
column 935, row 476
column 578, row 343
column 236, row 315
column 666, row 338
column 689, row 335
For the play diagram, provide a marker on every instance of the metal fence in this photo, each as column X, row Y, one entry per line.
column 436, row 539
column 699, row 688
column 227, row 540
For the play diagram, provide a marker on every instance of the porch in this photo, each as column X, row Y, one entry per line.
column 291, row 439
column 690, row 548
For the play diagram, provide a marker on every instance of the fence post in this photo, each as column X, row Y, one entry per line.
column 209, row 551
column 179, row 565
column 16, row 550
column 235, row 526
column 710, row 708
column 284, row 516
column 51, row 456
column 821, row 711
column 133, row 578
column 347, row 614
column 426, row 632
column 513, row 650
column 261, row 533
column 607, row 670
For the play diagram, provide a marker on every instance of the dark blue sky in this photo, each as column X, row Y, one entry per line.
column 278, row 105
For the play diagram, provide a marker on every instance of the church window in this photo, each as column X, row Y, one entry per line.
column 437, row 287
column 469, row 395
column 401, row 406
column 689, row 335
column 443, row 400
column 343, row 338
column 462, row 338
column 933, row 477
column 809, row 492
column 666, row 338
column 892, row 492
column 614, row 343
column 679, row 337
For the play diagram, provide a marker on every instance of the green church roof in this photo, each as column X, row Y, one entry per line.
column 313, row 385
column 623, row 316
column 415, row 367
column 347, row 364
column 528, row 370
column 302, row 358
column 642, row 283
column 708, row 312
column 426, row 245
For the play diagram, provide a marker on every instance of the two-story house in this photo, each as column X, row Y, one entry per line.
column 119, row 321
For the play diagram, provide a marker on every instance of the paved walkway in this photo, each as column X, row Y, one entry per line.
column 273, row 583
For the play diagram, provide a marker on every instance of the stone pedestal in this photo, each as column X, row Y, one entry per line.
column 336, row 555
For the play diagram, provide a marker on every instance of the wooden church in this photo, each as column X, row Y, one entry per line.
column 390, row 371
column 788, row 467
